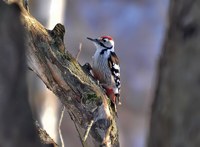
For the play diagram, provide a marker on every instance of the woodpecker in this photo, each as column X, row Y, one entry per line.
column 106, row 68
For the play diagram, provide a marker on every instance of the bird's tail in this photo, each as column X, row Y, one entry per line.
column 118, row 101
column 114, row 108
column 115, row 103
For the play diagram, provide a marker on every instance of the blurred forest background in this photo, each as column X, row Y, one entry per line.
column 137, row 27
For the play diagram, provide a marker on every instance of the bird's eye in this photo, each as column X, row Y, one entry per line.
column 104, row 40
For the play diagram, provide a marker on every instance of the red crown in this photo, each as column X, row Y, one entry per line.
column 108, row 37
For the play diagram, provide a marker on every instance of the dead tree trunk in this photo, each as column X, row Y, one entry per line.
column 86, row 102
column 176, row 109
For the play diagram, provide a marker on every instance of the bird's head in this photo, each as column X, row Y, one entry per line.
column 104, row 42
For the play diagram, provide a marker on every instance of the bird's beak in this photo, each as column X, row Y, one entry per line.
column 94, row 40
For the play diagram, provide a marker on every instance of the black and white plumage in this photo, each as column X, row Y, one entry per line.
column 106, row 68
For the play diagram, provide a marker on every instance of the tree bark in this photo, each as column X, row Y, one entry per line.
column 85, row 100
column 175, row 117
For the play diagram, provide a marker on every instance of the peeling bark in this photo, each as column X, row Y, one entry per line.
column 176, row 108
column 71, row 83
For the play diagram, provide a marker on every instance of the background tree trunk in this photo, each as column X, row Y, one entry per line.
column 176, row 109
column 16, row 122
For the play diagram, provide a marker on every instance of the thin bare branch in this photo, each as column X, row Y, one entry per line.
column 87, row 130
column 79, row 51
column 59, row 127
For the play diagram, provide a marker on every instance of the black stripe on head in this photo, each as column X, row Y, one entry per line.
column 104, row 45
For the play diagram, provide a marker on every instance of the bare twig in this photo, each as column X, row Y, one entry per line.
column 61, row 117
column 87, row 130
column 79, row 51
